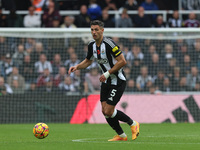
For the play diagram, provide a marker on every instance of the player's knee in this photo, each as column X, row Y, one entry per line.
column 108, row 113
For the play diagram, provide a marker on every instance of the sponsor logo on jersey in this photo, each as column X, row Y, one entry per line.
column 102, row 61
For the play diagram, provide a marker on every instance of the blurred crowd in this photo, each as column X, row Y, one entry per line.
column 29, row 65
column 155, row 66
column 96, row 9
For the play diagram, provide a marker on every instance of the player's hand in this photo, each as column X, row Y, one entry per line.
column 102, row 78
column 72, row 69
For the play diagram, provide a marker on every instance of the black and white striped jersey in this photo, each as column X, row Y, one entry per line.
column 105, row 56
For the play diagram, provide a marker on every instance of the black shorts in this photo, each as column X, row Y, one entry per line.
column 112, row 93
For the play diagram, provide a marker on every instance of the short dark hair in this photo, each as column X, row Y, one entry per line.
column 97, row 22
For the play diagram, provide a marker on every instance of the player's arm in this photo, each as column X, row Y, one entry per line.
column 84, row 64
column 120, row 63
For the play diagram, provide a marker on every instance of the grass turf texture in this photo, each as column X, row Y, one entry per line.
column 94, row 137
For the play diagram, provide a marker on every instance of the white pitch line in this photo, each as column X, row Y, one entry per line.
column 93, row 140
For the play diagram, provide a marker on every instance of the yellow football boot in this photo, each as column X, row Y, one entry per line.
column 118, row 138
column 135, row 130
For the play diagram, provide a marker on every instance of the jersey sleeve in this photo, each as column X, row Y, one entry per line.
column 90, row 52
column 115, row 49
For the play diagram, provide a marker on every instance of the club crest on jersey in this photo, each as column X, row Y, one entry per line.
column 102, row 61
column 102, row 51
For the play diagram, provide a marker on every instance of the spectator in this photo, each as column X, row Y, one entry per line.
column 108, row 4
column 155, row 65
column 130, row 86
column 108, row 22
column 73, row 61
column 193, row 79
column 91, row 78
column 186, row 65
column 168, row 53
column 149, row 5
column 68, row 22
column 14, row 20
column 29, row 45
column 7, row 66
column 166, row 85
column 176, row 78
column 56, row 22
column 18, row 56
column 4, row 48
column 32, row 89
column 175, row 22
column 190, row 4
column 153, row 90
column 50, row 14
column 70, row 50
column 192, row 22
column 3, row 22
column 131, row 5
column 170, row 67
column 159, row 80
column 60, row 77
column 124, row 21
column 32, row 20
column 45, row 6
column 141, row 20
column 45, row 81
column 43, row 64
column 195, row 53
column 143, row 81
column 39, row 49
column 133, row 54
column 127, row 72
column 181, row 52
column 83, row 19
column 183, row 85
column 94, row 10
column 56, row 64
column 135, row 68
column 149, row 53
column 4, row 88
column 26, row 69
column 78, row 81
column 125, row 50
column 67, row 85
column 55, row 46
column 159, row 22
column 38, row 4
column 16, row 81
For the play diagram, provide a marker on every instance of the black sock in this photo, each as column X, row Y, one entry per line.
column 114, row 123
column 123, row 117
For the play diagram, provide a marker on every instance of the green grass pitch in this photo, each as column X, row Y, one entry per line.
column 182, row 136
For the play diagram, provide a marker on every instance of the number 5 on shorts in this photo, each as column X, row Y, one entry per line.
column 113, row 92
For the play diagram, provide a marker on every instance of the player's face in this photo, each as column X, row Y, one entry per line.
column 97, row 32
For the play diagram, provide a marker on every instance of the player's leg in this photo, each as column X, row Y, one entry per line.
column 108, row 111
column 114, row 98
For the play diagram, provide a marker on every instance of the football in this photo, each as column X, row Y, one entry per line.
column 41, row 130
